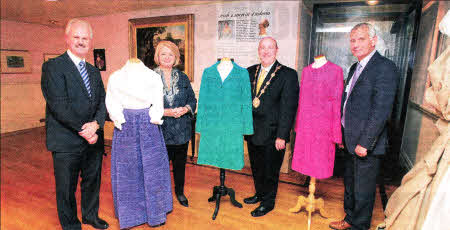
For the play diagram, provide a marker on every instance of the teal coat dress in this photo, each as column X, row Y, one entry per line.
column 224, row 116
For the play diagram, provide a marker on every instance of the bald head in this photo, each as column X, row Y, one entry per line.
column 271, row 39
column 267, row 51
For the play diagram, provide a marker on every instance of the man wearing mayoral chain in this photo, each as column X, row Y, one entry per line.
column 275, row 96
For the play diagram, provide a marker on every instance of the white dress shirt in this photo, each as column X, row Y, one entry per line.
column 134, row 86
column 76, row 60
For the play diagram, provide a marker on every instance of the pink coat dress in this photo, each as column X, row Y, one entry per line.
column 318, row 125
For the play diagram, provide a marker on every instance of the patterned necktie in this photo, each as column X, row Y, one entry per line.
column 261, row 78
column 85, row 77
column 352, row 84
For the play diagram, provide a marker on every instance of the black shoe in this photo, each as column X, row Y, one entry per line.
column 183, row 200
column 97, row 223
column 252, row 200
column 261, row 210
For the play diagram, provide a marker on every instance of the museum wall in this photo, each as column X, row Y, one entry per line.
column 22, row 104
column 114, row 37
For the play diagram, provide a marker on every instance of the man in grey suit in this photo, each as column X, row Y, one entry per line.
column 75, row 115
column 366, row 107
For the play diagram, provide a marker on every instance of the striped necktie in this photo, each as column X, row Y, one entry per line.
column 85, row 77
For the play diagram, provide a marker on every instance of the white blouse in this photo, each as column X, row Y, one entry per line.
column 134, row 86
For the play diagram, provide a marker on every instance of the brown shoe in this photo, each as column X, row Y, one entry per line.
column 340, row 225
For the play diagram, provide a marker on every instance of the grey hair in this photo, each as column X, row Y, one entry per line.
column 370, row 28
column 74, row 21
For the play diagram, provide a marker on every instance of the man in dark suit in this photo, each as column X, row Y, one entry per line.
column 366, row 107
column 275, row 96
column 75, row 115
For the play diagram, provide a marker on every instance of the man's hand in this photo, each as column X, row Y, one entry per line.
column 360, row 151
column 88, row 130
column 280, row 144
column 341, row 146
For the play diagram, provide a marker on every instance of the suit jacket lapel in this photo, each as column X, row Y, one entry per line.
column 72, row 70
column 367, row 68
column 350, row 74
column 347, row 82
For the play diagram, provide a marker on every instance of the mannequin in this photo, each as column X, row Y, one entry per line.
column 134, row 100
column 225, row 66
column 224, row 116
column 319, row 109
column 319, row 61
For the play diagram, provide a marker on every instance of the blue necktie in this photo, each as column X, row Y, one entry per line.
column 85, row 77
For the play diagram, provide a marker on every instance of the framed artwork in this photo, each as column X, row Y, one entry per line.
column 50, row 56
column 15, row 61
column 99, row 59
column 146, row 33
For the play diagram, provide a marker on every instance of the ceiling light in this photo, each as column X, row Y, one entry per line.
column 372, row 2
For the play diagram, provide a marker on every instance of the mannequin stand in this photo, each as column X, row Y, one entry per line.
column 220, row 191
column 311, row 204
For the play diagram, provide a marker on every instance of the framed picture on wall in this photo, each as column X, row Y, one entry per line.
column 146, row 33
column 50, row 56
column 99, row 59
column 15, row 61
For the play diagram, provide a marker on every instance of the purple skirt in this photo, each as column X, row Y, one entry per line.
column 140, row 174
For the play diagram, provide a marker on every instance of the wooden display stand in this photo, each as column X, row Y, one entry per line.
column 311, row 204
column 220, row 191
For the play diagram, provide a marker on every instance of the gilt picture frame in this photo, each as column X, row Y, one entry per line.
column 146, row 33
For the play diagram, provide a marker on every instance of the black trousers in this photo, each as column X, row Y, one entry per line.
column 178, row 155
column 265, row 161
column 68, row 166
column 360, row 181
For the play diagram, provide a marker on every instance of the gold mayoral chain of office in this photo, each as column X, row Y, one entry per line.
column 256, row 101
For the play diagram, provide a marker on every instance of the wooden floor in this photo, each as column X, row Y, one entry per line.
column 28, row 195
